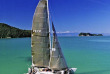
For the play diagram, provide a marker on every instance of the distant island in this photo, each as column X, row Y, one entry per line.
column 89, row 34
column 7, row 31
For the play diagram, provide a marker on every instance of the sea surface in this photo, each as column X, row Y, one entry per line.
column 91, row 55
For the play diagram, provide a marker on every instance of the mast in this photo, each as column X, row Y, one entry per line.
column 41, row 35
column 49, row 23
column 49, row 30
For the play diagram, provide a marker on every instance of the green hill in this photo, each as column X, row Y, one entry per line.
column 7, row 31
column 89, row 34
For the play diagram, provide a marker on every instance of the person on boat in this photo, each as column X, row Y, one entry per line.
column 43, row 69
column 66, row 71
column 49, row 70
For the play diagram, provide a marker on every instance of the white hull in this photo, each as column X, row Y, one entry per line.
column 42, row 73
column 36, row 70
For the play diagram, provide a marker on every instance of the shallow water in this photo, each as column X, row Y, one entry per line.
column 91, row 55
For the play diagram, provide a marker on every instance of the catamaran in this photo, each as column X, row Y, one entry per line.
column 46, row 59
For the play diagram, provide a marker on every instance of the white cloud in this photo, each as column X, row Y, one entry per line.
column 69, row 32
column 64, row 32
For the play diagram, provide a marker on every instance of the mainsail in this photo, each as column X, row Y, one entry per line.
column 57, row 61
column 40, row 35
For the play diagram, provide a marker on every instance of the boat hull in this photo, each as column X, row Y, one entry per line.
column 35, row 70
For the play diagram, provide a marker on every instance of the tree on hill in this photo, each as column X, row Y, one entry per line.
column 12, row 32
column 89, row 34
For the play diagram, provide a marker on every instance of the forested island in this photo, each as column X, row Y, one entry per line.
column 89, row 34
column 7, row 31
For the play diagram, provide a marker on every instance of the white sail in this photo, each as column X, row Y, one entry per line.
column 40, row 35
column 57, row 61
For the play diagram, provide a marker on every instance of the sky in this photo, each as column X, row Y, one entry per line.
column 68, row 15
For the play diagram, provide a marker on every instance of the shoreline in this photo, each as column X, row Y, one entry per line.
column 59, row 36
column 14, row 38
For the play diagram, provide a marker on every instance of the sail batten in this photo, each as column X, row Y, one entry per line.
column 40, row 36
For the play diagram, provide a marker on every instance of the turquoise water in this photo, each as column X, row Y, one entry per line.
column 91, row 55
